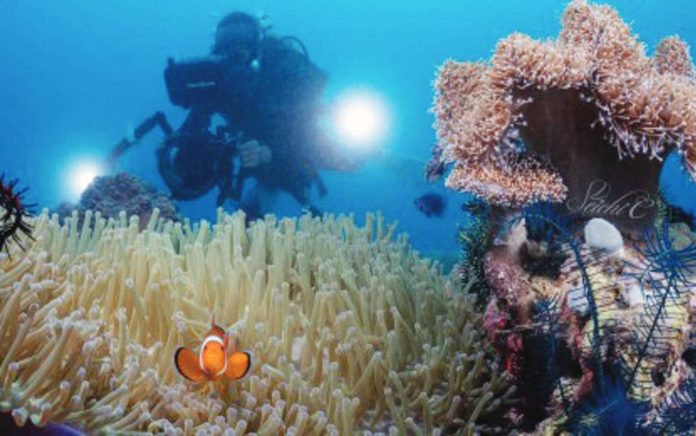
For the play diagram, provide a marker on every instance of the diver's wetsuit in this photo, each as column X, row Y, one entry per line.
column 276, row 105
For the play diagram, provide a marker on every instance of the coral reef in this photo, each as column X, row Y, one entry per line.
column 585, row 118
column 109, row 195
column 350, row 329
column 598, row 335
column 613, row 326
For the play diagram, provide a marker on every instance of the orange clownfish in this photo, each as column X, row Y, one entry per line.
column 213, row 361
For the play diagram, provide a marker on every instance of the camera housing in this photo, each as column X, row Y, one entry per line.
column 195, row 82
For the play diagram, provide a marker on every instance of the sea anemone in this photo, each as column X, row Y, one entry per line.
column 350, row 329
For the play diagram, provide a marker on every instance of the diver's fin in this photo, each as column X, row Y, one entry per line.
column 187, row 364
column 238, row 364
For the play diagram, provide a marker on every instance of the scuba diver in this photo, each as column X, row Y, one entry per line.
column 267, row 93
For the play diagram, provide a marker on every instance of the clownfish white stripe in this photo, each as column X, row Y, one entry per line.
column 212, row 338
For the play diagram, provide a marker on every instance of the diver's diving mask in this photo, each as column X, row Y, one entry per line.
column 240, row 42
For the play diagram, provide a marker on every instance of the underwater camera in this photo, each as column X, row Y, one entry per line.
column 194, row 82
column 191, row 165
column 202, row 81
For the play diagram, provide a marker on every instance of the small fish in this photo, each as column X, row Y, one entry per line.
column 214, row 359
column 430, row 204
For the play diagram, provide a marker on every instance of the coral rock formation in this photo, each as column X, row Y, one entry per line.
column 630, row 305
column 544, row 120
column 109, row 195
column 350, row 329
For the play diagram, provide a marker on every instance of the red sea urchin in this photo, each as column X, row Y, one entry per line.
column 14, row 214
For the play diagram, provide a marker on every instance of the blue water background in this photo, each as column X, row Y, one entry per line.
column 74, row 74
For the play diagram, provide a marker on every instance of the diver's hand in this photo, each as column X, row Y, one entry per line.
column 253, row 154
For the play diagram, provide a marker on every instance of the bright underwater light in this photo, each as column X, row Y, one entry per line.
column 361, row 119
column 80, row 175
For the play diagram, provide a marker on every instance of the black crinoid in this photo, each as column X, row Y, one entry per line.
column 546, row 356
column 474, row 240
column 13, row 214
column 665, row 273
column 547, row 233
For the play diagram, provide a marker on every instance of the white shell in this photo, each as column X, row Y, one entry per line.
column 602, row 235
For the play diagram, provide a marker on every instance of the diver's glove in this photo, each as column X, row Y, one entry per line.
column 253, row 154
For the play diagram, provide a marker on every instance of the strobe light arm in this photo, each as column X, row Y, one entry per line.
column 158, row 119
